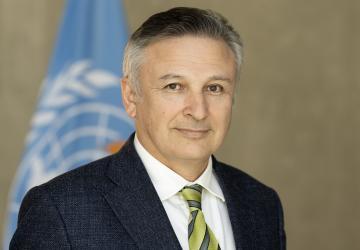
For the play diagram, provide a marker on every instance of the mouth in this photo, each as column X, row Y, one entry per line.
column 193, row 133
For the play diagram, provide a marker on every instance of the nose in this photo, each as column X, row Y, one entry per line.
column 196, row 106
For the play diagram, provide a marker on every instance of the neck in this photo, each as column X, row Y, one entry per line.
column 189, row 170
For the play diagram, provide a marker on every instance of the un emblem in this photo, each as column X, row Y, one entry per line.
column 79, row 115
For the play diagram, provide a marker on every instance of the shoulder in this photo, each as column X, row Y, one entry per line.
column 80, row 184
column 71, row 182
column 261, row 203
column 88, row 182
column 79, row 178
column 99, row 173
column 52, row 212
column 242, row 183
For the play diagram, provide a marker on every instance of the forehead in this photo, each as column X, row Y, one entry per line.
column 192, row 53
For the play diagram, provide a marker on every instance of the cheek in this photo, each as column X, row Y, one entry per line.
column 169, row 106
column 228, row 114
column 159, row 114
column 221, row 110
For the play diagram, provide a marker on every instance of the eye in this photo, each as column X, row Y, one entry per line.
column 173, row 86
column 215, row 88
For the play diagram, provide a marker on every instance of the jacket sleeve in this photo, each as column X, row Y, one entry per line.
column 281, row 229
column 40, row 225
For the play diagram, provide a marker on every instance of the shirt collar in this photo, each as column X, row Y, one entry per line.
column 168, row 183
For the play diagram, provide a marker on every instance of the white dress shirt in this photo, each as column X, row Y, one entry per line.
column 168, row 183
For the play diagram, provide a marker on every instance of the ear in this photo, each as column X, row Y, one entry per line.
column 128, row 97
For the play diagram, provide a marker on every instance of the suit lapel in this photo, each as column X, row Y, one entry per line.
column 238, row 204
column 136, row 203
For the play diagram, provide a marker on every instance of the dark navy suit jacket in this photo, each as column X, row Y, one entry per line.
column 112, row 204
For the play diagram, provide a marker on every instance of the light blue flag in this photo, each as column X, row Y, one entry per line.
column 80, row 116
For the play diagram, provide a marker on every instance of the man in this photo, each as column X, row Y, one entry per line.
column 164, row 189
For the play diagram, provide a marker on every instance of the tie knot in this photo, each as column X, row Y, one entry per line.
column 192, row 194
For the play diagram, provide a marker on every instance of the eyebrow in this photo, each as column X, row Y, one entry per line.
column 212, row 78
column 221, row 78
column 170, row 76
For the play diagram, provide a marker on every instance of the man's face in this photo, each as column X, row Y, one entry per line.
column 184, row 108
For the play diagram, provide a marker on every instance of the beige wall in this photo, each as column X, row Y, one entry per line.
column 296, row 120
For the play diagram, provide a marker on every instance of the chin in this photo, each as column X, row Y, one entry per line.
column 193, row 154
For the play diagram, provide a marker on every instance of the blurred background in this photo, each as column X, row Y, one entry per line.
column 296, row 123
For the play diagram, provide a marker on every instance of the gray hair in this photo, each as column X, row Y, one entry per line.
column 178, row 22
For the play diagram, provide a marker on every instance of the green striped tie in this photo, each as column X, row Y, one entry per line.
column 199, row 233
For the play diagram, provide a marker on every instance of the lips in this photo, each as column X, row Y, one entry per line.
column 193, row 133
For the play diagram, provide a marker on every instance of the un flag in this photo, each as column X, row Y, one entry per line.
column 79, row 116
